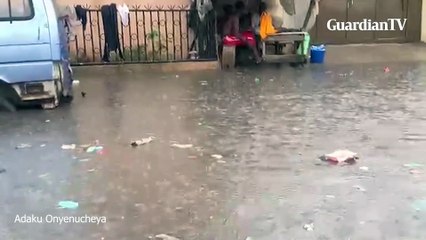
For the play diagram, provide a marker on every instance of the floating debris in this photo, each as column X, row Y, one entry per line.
column 182, row 146
column 419, row 205
column 360, row 188
column 141, row 142
column 257, row 80
column 363, row 168
column 2, row 170
column 340, row 156
column 166, row 237
column 84, row 160
column 309, row 227
column 386, row 70
column 43, row 145
column 75, row 82
column 47, row 121
column 69, row 147
column 68, row 205
column 413, row 165
column 94, row 149
column 217, row 156
column 23, row 145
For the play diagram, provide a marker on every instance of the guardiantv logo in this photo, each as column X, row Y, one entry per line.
column 392, row 24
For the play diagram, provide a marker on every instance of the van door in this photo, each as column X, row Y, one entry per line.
column 24, row 35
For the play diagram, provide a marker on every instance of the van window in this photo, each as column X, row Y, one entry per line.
column 15, row 10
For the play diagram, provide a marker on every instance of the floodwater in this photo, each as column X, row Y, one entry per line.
column 269, row 125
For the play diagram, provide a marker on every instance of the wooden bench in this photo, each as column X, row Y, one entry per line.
column 228, row 57
column 279, row 41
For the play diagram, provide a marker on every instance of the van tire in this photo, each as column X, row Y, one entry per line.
column 7, row 105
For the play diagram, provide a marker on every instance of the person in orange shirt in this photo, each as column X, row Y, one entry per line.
column 266, row 27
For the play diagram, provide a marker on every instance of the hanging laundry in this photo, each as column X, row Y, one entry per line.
column 68, row 15
column 81, row 15
column 123, row 10
column 112, row 41
column 316, row 9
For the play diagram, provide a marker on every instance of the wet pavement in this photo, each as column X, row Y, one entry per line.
column 270, row 131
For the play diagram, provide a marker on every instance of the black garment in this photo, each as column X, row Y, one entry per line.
column 245, row 22
column 81, row 15
column 112, row 41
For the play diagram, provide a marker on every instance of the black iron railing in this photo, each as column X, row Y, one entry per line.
column 154, row 34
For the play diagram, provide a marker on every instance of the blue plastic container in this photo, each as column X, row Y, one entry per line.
column 317, row 54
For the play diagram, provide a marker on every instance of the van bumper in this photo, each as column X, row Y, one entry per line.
column 35, row 91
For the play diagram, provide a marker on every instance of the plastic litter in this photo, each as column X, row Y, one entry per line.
column 204, row 83
column 415, row 172
column 386, row 70
column 68, row 147
column 309, row 227
column 364, row 168
column 182, row 146
column 257, row 80
column 340, row 156
column 166, row 237
column 75, row 82
column 217, row 156
column 68, row 205
column 141, row 142
column 419, row 205
column 47, row 121
column 43, row 145
column 94, row 149
column 360, row 188
column 23, row 145
column 413, row 165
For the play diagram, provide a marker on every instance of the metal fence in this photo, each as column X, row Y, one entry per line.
column 154, row 34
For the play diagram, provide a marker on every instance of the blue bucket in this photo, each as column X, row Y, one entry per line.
column 317, row 54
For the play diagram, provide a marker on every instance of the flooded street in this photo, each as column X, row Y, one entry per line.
column 252, row 170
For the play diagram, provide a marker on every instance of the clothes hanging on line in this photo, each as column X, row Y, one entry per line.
column 81, row 15
column 124, row 11
column 112, row 41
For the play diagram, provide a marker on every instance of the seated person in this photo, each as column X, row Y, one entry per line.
column 266, row 27
column 232, row 32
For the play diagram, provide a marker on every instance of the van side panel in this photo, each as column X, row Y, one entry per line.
column 57, row 28
column 26, row 43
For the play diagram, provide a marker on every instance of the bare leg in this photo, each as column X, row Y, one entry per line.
column 253, row 49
